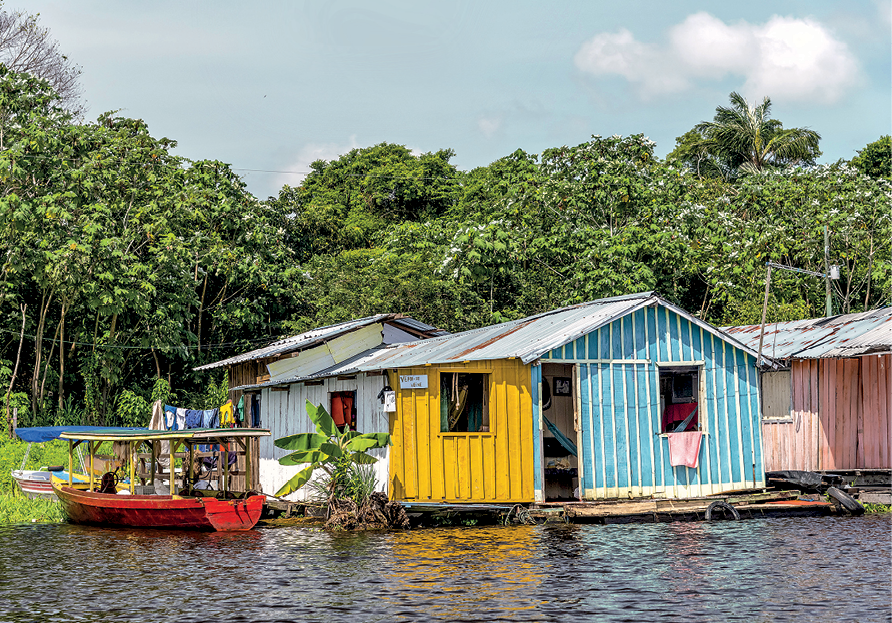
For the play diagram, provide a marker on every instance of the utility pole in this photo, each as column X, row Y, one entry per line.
column 832, row 273
column 827, row 270
column 764, row 311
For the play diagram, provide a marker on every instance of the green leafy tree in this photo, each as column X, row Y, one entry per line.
column 333, row 450
column 346, row 203
column 875, row 159
column 744, row 138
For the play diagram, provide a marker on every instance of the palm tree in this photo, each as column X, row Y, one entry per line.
column 746, row 138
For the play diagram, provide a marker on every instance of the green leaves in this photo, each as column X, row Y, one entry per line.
column 324, row 423
column 297, row 481
column 334, row 452
column 367, row 441
column 301, row 441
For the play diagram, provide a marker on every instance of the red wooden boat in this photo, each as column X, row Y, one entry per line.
column 192, row 509
column 160, row 511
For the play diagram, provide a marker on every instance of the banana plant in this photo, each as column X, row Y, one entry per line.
column 329, row 448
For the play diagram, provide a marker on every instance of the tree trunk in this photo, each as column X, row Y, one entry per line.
column 201, row 310
column 62, row 359
column 45, row 301
column 106, row 386
column 15, row 370
column 46, row 367
column 157, row 364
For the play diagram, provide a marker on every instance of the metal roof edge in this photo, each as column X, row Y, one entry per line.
column 716, row 331
column 366, row 320
column 537, row 354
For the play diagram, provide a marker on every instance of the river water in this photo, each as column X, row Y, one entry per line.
column 814, row 569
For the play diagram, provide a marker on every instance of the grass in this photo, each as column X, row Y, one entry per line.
column 877, row 508
column 21, row 509
column 16, row 507
column 12, row 451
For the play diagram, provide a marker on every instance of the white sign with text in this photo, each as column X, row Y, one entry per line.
column 413, row 381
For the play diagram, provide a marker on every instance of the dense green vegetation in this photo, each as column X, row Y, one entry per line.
column 14, row 506
column 20, row 509
column 123, row 264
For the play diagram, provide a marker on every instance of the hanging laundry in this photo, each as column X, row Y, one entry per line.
column 240, row 410
column 684, row 449
column 181, row 419
column 162, row 451
column 193, row 418
column 226, row 416
column 210, row 418
column 342, row 408
column 170, row 417
column 255, row 413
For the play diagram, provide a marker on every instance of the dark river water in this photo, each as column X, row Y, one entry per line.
column 826, row 569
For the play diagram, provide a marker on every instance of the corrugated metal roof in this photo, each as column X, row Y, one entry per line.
column 317, row 336
column 526, row 339
column 847, row 335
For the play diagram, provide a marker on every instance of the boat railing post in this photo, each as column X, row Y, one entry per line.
column 173, row 449
column 191, row 463
column 225, row 467
column 70, row 461
column 90, row 449
column 248, row 480
column 154, row 467
column 132, row 447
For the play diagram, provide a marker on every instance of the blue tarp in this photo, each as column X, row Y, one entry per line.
column 40, row 434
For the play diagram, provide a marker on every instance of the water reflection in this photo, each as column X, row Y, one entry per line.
column 763, row 570
column 449, row 572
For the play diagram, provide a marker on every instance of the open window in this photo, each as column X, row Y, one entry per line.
column 343, row 409
column 680, row 399
column 464, row 402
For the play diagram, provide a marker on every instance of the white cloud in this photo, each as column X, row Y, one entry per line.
column 489, row 124
column 297, row 171
column 884, row 10
column 784, row 57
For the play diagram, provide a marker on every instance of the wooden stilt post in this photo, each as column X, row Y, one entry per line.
column 249, row 482
column 191, row 463
column 132, row 447
column 173, row 448
column 225, row 467
column 91, row 450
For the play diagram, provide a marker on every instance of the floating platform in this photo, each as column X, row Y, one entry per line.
column 746, row 504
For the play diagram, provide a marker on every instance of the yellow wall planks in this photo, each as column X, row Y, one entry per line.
column 495, row 466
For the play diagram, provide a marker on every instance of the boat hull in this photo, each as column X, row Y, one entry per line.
column 34, row 484
column 159, row 511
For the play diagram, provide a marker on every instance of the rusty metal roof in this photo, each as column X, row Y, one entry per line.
column 323, row 334
column 526, row 339
column 848, row 335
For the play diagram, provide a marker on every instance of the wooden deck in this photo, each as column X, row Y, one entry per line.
column 748, row 505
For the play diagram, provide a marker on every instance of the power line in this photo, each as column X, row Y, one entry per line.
column 198, row 347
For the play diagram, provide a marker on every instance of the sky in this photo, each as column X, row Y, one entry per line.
column 270, row 87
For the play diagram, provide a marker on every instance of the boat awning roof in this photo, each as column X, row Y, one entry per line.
column 41, row 434
column 193, row 434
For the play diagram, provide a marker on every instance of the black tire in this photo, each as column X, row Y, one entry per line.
column 724, row 506
column 845, row 500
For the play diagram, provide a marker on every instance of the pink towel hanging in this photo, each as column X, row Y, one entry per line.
column 684, row 449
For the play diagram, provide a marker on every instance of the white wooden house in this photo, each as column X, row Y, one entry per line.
column 279, row 379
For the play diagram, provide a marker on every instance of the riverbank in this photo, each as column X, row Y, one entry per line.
column 15, row 509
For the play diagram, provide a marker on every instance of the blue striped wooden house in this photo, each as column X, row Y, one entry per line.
column 624, row 371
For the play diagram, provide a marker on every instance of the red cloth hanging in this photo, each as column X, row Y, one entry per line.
column 678, row 413
column 342, row 408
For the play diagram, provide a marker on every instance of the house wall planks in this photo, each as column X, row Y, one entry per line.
column 622, row 451
column 284, row 413
column 496, row 466
column 840, row 416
